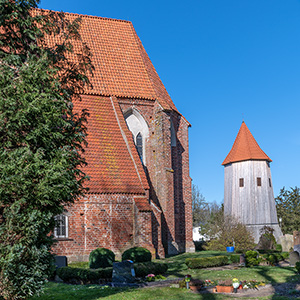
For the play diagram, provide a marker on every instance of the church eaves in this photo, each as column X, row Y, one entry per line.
column 245, row 147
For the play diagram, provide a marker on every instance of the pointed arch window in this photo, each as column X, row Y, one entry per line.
column 140, row 132
column 139, row 145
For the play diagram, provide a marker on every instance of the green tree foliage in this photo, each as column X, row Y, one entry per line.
column 200, row 207
column 228, row 232
column 288, row 209
column 205, row 215
column 41, row 139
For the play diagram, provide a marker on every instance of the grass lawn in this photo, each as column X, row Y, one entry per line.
column 177, row 269
column 60, row 291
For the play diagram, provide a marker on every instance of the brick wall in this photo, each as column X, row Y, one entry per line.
column 168, row 174
column 114, row 222
column 103, row 220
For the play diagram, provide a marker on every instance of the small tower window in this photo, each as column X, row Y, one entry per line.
column 270, row 184
column 241, row 182
column 258, row 179
column 139, row 145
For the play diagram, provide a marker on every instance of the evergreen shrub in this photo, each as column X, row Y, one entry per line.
column 101, row 258
column 285, row 255
column 137, row 254
column 297, row 266
column 199, row 245
column 252, row 258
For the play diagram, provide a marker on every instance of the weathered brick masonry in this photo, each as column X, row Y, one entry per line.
column 137, row 153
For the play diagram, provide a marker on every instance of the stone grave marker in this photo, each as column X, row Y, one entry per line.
column 242, row 260
column 296, row 237
column 297, row 248
column 123, row 274
column 60, row 261
column 294, row 257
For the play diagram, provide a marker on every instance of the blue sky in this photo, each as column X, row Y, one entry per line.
column 222, row 62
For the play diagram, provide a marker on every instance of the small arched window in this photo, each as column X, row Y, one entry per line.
column 139, row 129
column 139, row 145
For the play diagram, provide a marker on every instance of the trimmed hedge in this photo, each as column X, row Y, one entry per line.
column 83, row 276
column 206, row 262
column 137, row 254
column 143, row 269
column 234, row 258
column 213, row 261
column 101, row 258
column 273, row 258
column 87, row 276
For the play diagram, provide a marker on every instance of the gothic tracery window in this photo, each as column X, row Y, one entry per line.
column 139, row 129
column 139, row 145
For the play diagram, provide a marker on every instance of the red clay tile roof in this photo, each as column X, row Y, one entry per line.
column 122, row 66
column 113, row 162
column 142, row 203
column 245, row 147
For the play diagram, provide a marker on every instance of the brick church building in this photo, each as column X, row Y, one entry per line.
column 137, row 154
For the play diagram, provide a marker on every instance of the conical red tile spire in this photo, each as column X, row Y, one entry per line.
column 245, row 147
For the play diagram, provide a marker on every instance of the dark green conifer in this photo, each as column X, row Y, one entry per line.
column 41, row 138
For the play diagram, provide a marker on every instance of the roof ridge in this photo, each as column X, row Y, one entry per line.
column 84, row 15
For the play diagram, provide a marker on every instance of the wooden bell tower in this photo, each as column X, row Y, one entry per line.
column 248, row 190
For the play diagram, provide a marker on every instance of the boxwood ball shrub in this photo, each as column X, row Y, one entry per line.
column 137, row 254
column 101, row 258
column 252, row 258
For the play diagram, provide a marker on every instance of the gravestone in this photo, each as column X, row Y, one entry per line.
column 123, row 273
column 296, row 237
column 297, row 248
column 60, row 261
column 294, row 257
column 287, row 242
column 242, row 260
